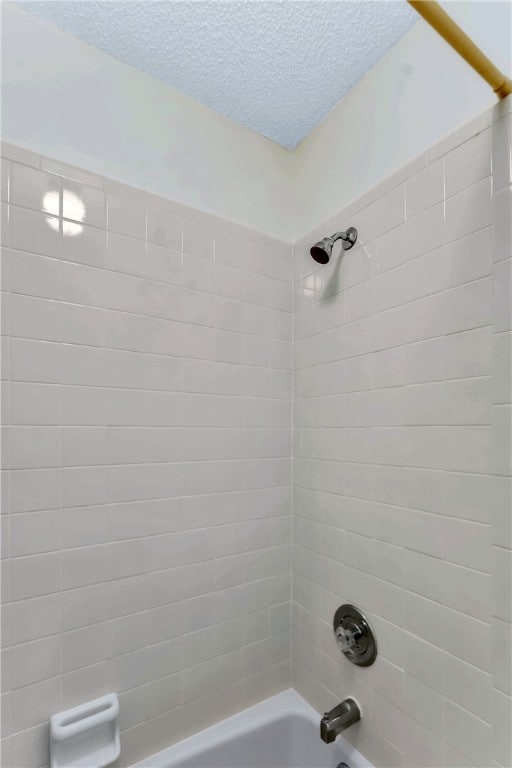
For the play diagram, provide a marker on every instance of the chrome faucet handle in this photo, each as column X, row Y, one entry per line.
column 347, row 637
column 354, row 635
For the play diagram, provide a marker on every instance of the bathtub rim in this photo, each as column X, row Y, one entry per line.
column 266, row 711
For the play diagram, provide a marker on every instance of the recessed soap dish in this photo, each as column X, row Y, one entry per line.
column 86, row 736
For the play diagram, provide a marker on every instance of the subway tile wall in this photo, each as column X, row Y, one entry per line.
column 402, row 494
column 147, row 356
column 147, row 392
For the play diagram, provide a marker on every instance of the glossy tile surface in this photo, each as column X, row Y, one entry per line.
column 402, row 447
column 153, row 356
column 147, row 442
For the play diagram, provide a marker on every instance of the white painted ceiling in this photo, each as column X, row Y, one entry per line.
column 277, row 66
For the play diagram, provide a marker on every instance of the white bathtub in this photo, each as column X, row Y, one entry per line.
column 280, row 732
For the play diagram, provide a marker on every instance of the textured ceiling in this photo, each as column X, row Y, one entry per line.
column 278, row 67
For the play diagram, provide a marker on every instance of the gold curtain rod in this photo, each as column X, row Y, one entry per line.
column 465, row 47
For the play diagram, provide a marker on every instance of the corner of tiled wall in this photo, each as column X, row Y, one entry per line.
column 401, row 480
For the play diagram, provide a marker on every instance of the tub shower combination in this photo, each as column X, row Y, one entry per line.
column 169, row 582
column 281, row 732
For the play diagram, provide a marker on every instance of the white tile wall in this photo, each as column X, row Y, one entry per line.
column 403, row 457
column 146, row 503
column 147, row 382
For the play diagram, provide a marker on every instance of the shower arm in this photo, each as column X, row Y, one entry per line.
column 463, row 45
column 340, row 236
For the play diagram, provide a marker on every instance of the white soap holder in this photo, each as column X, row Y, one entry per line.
column 86, row 736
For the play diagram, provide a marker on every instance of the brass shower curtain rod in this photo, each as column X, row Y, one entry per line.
column 465, row 47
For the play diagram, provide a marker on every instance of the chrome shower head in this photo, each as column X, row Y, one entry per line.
column 321, row 251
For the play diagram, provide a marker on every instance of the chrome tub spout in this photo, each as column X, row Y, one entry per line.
column 338, row 719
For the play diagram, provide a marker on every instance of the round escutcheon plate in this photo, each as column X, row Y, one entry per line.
column 354, row 635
